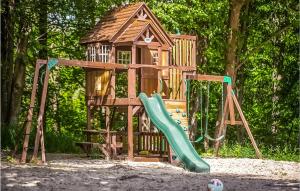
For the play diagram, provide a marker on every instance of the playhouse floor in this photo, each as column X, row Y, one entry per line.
column 69, row 172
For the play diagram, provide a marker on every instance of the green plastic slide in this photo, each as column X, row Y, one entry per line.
column 174, row 133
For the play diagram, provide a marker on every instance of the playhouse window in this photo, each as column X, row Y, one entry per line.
column 104, row 53
column 92, row 53
column 124, row 57
column 154, row 55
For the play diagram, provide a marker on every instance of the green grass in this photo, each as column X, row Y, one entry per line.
column 286, row 153
column 63, row 142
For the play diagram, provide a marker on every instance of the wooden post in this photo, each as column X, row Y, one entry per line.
column 89, row 123
column 89, row 127
column 30, row 113
column 39, row 138
column 131, row 94
column 159, row 71
column 231, row 106
column 107, row 126
column 113, row 75
column 130, row 133
column 160, row 144
column 170, row 153
column 114, row 145
column 258, row 154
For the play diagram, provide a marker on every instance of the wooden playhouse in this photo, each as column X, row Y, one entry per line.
column 154, row 60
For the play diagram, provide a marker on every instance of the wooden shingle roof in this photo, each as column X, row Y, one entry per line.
column 109, row 25
column 121, row 25
column 133, row 31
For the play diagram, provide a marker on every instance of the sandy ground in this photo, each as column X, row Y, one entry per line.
column 69, row 172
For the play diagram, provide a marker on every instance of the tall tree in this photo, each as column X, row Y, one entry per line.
column 7, row 54
column 23, row 27
column 232, row 39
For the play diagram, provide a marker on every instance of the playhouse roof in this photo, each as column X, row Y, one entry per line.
column 121, row 25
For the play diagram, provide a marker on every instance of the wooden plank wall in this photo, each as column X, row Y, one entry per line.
column 183, row 54
column 149, row 76
column 97, row 81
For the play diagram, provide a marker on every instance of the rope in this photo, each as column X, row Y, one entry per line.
column 206, row 121
column 206, row 108
column 199, row 92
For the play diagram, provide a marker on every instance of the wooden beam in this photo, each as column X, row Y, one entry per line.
column 131, row 94
column 136, row 109
column 130, row 132
column 189, row 37
column 89, row 123
column 30, row 111
column 258, row 154
column 211, row 78
column 231, row 106
column 91, row 64
column 107, row 126
column 96, row 101
column 112, row 66
column 40, row 129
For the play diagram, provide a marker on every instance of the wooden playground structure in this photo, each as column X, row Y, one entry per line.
column 131, row 41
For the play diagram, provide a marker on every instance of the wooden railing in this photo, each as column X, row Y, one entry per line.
column 154, row 143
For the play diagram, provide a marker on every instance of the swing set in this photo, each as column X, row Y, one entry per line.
column 227, row 110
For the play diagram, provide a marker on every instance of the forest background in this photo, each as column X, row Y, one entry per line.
column 254, row 41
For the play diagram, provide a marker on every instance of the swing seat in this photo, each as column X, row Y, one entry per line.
column 199, row 139
column 214, row 139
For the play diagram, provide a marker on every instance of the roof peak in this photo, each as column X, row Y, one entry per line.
column 115, row 22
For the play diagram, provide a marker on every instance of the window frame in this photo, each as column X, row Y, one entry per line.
column 124, row 57
column 103, row 53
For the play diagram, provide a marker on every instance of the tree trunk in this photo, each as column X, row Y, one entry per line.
column 232, row 46
column 7, row 45
column 43, row 53
column 20, row 66
column 43, row 12
column 232, row 39
column 18, row 82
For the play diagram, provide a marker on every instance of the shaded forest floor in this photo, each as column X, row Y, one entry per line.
column 70, row 172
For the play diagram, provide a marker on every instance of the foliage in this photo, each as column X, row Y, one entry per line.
column 267, row 77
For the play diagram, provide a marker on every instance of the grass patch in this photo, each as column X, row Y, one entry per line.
column 62, row 142
column 285, row 153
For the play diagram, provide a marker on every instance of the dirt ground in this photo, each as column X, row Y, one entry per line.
column 76, row 173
